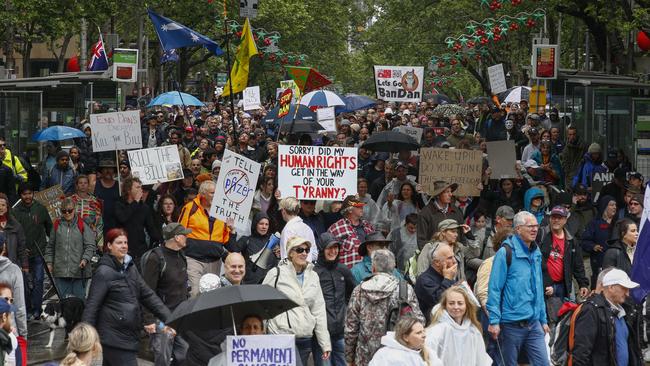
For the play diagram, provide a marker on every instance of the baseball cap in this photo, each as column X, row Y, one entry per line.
column 401, row 164
column 560, row 211
column 533, row 131
column 506, row 212
column 188, row 129
column 352, row 201
column 215, row 164
column 637, row 175
column 173, row 229
column 638, row 197
column 580, row 190
column 618, row 277
column 406, row 112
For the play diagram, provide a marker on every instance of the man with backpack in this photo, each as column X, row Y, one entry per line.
column 374, row 308
column 603, row 332
column 516, row 296
column 164, row 269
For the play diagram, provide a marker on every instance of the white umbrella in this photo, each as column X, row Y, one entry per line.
column 321, row 98
column 515, row 94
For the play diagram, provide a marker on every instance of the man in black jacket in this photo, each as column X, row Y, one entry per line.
column 337, row 284
column 165, row 271
column 440, row 276
column 605, row 333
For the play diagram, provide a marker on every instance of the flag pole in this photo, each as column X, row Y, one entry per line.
column 229, row 66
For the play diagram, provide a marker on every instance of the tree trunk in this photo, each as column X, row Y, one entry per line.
column 27, row 52
column 64, row 50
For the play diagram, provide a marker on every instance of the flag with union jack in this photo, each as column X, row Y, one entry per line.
column 98, row 60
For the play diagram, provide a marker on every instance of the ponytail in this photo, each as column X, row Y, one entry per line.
column 71, row 360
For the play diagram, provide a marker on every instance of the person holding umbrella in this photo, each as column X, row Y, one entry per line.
column 296, row 278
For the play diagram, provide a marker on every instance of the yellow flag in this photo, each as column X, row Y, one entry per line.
column 239, row 71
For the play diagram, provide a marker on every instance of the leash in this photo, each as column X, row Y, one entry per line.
column 500, row 352
column 49, row 274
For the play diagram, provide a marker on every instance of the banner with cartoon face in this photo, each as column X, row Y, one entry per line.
column 399, row 83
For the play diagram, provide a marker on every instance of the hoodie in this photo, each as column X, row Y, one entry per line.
column 369, row 306
column 394, row 353
column 11, row 275
column 457, row 344
column 531, row 194
column 598, row 232
column 248, row 246
column 586, row 171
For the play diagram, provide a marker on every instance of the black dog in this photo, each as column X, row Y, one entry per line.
column 62, row 314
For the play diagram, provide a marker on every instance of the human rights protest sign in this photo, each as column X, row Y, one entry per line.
column 501, row 157
column 235, row 189
column 116, row 131
column 256, row 350
column 399, row 83
column 464, row 167
column 317, row 172
column 51, row 198
column 156, row 165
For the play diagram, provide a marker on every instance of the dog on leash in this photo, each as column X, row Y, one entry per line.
column 65, row 314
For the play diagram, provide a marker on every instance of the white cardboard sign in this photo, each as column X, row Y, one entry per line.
column 116, row 131
column 399, row 83
column 256, row 350
column 156, row 165
column 497, row 79
column 252, row 98
column 326, row 118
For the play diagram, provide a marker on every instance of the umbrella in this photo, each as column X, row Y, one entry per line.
column 321, row 98
column 480, row 100
column 58, row 133
column 304, row 114
column 515, row 94
column 223, row 307
column 437, row 98
column 301, row 126
column 390, row 141
column 448, row 110
column 307, row 78
column 175, row 98
column 354, row 102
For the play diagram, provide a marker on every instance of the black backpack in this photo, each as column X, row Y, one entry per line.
column 402, row 308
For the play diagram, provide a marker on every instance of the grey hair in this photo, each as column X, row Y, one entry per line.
column 291, row 205
column 203, row 188
column 435, row 248
column 520, row 218
column 601, row 275
column 383, row 261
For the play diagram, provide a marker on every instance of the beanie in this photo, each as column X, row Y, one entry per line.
column 594, row 148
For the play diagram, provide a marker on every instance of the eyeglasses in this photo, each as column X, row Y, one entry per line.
column 9, row 300
column 530, row 227
column 67, row 211
column 301, row 250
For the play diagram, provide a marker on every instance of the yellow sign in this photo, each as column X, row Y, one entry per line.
column 537, row 97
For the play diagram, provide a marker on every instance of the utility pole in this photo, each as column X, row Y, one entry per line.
column 138, row 84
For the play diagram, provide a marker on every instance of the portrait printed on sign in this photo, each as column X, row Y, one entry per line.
column 174, row 171
column 410, row 81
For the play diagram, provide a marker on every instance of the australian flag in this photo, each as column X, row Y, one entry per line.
column 98, row 61
column 641, row 263
column 174, row 35
column 169, row 56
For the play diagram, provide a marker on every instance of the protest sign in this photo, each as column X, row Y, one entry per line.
column 285, row 103
column 317, row 172
column 116, row 131
column 256, row 350
column 502, row 157
column 156, row 165
column 326, row 118
column 399, row 83
column 414, row 132
column 235, row 189
column 497, row 79
column 51, row 198
column 463, row 167
column 290, row 84
column 252, row 98
column 598, row 181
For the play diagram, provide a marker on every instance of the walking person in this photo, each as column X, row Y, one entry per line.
column 83, row 346
column 516, row 295
column 405, row 346
column 113, row 306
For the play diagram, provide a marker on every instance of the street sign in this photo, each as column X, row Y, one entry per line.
column 248, row 8
column 125, row 65
column 546, row 58
column 222, row 78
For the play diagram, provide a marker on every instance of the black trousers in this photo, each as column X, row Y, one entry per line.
column 119, row 357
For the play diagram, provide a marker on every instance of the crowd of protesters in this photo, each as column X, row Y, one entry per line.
column 392, row 275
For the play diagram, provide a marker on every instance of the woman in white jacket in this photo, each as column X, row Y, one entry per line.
column 405, row 346
column 455, row 333
column 296, row 278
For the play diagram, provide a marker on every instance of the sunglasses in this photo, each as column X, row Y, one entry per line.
column 301, row 250
column 9, row 300
column 67, row 211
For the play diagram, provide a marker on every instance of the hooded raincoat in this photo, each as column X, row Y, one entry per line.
column 457, row 344
column 394, row 353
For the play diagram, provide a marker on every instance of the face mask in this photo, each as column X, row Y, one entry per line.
column 509, row 124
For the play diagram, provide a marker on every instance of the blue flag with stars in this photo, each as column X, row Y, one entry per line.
column 174, row 35
column 169, row 56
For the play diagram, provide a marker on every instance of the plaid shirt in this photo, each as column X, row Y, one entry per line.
column 343, row 230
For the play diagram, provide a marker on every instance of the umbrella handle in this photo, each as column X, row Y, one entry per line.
column 232, row 315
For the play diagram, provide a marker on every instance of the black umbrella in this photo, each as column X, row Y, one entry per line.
column 437, row 98
column 304, row 113
column 479, row 100
column 301, row 126
column 390, row 141
column 226, row 306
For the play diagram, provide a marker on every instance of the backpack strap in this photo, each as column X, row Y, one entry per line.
column 508, row 250
column 572, row 334
column 277, row 276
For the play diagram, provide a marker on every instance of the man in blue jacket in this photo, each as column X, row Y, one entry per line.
column 516, row 295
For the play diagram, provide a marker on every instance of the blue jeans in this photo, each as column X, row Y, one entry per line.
column 37, row 273
column 337, row 356
column 516, row 338
column 304, row 349
column 71, row 287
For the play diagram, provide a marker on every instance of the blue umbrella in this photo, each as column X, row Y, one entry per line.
column 304, row 114
column 354, row 102
column 58, row 133
column 175, row 98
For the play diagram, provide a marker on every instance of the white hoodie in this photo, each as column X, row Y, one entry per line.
column 457, row 344
column 394, row 353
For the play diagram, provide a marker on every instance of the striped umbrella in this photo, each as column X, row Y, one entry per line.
column 515, row 94
column 321, row 98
